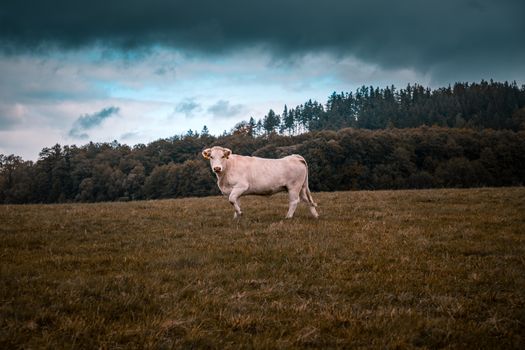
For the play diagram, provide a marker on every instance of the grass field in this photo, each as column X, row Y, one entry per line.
column 386, row 269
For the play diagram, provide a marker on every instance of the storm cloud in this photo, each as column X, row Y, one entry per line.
column 424, row 35
column 90, row 121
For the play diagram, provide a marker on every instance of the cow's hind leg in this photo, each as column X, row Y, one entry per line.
column 293, row 196
column 308, row 200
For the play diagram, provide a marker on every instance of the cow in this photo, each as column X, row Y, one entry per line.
column 243, row 175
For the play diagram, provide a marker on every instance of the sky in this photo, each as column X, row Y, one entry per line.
column 75, row 71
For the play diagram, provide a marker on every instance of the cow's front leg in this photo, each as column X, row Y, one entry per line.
column 234, row 200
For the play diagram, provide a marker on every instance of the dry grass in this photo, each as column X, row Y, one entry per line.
column 388, row 269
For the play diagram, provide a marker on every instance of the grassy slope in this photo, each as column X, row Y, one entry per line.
column 379, row 269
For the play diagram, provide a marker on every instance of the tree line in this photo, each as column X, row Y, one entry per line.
column 359, row 148
column 347, row 159
column 476, row 105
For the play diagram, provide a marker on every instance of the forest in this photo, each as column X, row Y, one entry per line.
column 465, row 135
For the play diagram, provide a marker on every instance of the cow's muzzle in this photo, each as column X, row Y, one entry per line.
column 217, row 169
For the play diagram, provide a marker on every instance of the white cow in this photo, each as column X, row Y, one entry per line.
column 241, row 175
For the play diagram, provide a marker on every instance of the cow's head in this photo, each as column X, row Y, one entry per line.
column 217, row 156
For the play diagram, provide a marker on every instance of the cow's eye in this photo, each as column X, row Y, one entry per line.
column 223, row 157
column 211, row 157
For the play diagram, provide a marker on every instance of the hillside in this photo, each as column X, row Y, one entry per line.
column 426, row 268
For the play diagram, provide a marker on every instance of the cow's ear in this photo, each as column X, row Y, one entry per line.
column 227, row 152
column 206, row 153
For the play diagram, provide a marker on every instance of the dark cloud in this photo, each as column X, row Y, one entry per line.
column 188, row 107
column 223, row 108
column 429, row 36
column 90, row 121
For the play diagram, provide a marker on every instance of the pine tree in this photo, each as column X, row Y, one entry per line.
column 259, row 127
column 271, row 122
column 282, row 127
column 253, row 126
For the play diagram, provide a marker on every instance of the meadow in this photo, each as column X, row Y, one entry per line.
column 384, row 269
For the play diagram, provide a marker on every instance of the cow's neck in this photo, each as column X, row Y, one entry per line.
column 220, row 177
column 223, row 183
column 223, row 180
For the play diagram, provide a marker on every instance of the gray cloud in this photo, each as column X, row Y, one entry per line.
column 129, row 135
column 90, row 121
column 11, row 115
column 223, row 108
column 7, row 121
column 188, row 107
column 477, row 36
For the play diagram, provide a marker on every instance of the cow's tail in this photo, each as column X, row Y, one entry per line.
column 305, row 190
